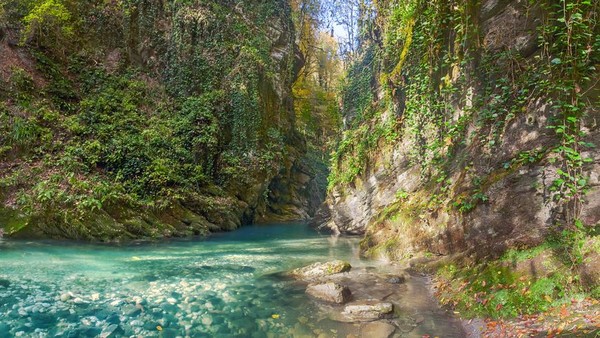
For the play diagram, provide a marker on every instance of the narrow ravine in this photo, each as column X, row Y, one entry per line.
column 441, row 160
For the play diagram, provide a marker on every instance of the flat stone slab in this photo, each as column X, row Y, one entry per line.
column 318, row 270
column 367, row 310
column 330, row 292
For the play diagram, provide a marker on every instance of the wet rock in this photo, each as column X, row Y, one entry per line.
column 131, row 310
column 207, row 320
column 169, row 333
column 111, row 331
column 317, row 270
column 377, row 330
column 368, row 310
column 86, row 332
column 151, row 326
column 79, row 301
column 4, row 283
column 113, row 319
column 136, row 323
column 43, row 320
column 329, row 292
column 169, row 308
column 396, row 279
column 139, row 300
column 116, row 302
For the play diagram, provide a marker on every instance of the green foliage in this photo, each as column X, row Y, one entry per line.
column 572, row 243
column 357, row 93
column 495, row 291
column 48, row 24
column 454, row 98
column 147, row 105
column 569, row 59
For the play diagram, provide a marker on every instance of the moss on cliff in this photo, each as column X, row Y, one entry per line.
column 473, row 135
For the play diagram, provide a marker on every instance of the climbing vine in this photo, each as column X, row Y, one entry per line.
column 571, row 51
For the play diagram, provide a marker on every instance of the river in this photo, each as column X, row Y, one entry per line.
column 230, row 284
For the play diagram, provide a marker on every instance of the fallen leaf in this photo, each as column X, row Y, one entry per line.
column 275, row 316
column 564, row 312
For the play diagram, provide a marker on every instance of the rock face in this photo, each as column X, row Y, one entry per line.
column 368, row 310
column 318, row 270
column 329, row 292
column 491, row 188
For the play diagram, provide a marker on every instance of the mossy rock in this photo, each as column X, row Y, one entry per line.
column 318, row 270
column 12, row 221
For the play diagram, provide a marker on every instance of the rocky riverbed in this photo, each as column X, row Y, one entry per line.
column 377, row 302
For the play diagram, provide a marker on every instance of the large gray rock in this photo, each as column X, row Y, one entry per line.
column 368, row 310
column 330, row 292
column 317, row 270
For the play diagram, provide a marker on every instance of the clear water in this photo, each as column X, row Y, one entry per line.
column 228, row 285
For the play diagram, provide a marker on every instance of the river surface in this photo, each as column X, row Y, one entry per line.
column 228, row 285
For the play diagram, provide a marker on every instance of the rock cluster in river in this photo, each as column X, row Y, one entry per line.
column 344, row 294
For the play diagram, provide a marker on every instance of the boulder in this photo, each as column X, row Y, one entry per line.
column 396, row 279
column 377, row 330
column 329, row 292
column 317, row 270
column 368, row 310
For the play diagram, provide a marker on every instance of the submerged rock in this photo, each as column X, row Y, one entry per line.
column 377, row 330
column 317, row 270
column 367, row 310
column 329, row 292
column 131, row 310
column 111, row 331
column 4, row 283
column 396, row 279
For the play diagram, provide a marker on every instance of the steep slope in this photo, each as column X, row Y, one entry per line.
column 130, row 119
column 470, row 129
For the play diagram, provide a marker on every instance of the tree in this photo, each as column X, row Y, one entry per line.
column 315, row 96
column 355, row 18
column 48, row 25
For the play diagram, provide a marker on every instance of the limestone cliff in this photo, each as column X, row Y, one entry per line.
column 453, row 147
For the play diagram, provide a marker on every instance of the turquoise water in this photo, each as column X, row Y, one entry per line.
column 228, row 285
